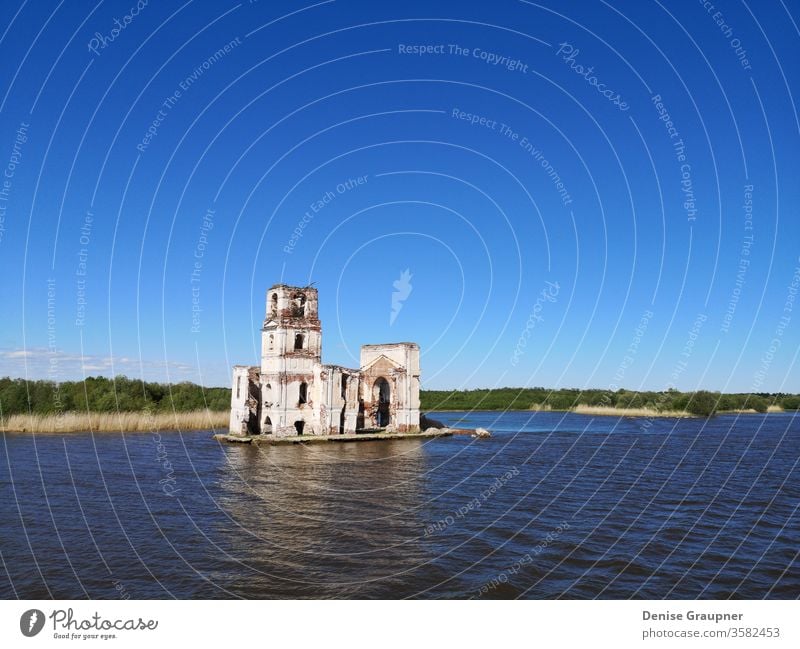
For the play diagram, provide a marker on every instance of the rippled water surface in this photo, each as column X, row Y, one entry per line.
column 552, row 506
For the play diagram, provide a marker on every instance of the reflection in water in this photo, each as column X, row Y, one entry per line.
column 335, row 515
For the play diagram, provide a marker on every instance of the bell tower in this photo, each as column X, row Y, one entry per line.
column 291, row 346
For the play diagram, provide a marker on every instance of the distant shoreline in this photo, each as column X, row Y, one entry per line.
column 129, row 405
column 142, row 422
column 602, row 411
column 667, row 403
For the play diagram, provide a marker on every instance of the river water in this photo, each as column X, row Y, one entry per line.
column 553, row 505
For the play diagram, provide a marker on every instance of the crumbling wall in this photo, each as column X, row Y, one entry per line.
column 398, row 363
column 253, row 401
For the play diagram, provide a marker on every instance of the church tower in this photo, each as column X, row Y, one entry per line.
column 291, row 348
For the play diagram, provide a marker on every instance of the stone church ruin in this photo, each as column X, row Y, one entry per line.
column 292, row 393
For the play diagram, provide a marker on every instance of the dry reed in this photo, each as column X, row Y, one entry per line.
column 71, row 422
column 628, row 412
column 749, row 411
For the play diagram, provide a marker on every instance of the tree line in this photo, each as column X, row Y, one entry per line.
column 701, row 402
column 101, row 394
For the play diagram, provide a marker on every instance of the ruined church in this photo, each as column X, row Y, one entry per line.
column 293, row 393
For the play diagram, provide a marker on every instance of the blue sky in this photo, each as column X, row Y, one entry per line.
column 567, row 186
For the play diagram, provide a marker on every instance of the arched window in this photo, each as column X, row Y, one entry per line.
column 298, row 341
column 271, row 342
column 381, row 392
column 303, row 393
column 298, row 306
column 273, row 309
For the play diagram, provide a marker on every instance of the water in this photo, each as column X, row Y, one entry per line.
column 552, row 506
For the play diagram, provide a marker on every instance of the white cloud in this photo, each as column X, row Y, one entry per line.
column 41, row 363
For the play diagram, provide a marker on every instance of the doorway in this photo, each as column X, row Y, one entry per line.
column 381, row 392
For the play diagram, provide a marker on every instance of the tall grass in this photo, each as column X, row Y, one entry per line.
column 628, row 412
column 582, row 409
column 71, row 422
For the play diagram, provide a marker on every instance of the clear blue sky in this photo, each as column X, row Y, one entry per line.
column 259, row 110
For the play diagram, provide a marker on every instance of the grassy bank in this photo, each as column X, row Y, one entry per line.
column 605, row 411
column 72, row 422
column 608, row 411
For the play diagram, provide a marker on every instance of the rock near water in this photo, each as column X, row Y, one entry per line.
column 429, row 425
column 426, row 422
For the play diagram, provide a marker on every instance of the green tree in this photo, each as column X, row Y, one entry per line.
column 13, row 397
column 702, row 403
column 759, row 404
